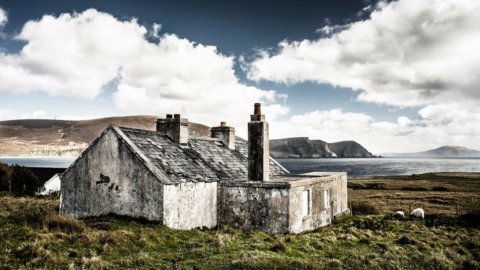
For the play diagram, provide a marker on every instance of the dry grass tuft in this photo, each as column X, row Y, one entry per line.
column 363, row 208
column 222, row 239
column 472, row 206
column 64, row 224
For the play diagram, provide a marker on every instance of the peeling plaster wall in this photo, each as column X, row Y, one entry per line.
column 252, row 208
column 190, row 205
column 320, row 214
column 278, row 206
column 108, row 178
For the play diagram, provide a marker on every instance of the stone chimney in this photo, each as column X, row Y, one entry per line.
column 174, row 127
column 225, row 133
column 258, row 146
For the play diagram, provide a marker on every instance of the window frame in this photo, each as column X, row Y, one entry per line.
column 327, row 198
column 308, row 192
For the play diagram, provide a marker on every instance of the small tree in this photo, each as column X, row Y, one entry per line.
column 24, row 181
column 5, row 177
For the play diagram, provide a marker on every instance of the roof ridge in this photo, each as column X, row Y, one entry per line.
column 137, row 129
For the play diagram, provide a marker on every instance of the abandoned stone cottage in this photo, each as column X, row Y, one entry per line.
column 184, row 183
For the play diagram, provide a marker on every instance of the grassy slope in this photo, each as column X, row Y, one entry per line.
column 32, row 238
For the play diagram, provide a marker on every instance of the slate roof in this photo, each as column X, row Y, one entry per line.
column 202, row 160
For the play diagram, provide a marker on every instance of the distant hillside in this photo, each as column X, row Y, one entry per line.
column 42, row 137
column 302, row 147
column 444, row 151
column 39, row 137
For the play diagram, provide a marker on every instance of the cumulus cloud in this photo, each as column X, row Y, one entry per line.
column 419, row 53
column 78, row 54
column 179, row 75
column 434, row 128
column 407, row 53
column 3, row 21
column 72, row 55
column 8, row 114
column 3, row 18
column 155, row 33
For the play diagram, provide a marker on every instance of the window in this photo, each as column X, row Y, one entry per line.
column 306, row 202
column 326, row 197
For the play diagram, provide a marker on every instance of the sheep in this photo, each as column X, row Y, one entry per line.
column 399, row 215
column 418, row 213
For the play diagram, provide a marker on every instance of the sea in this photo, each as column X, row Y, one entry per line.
column 39, row 162
column 355, row 167
column 363, row 167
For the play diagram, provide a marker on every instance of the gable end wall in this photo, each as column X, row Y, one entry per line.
column 109, row 179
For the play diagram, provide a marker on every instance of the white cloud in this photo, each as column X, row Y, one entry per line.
column 3, row 21
column 433, row 129
column 72, row 55
column 407, row 53
column 177, row 75
column 3, row 18
column 155, row 33
column 12, row 114
column 8, row 114
column 78, row 54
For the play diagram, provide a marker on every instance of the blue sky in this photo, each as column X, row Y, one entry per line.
column 374, row 72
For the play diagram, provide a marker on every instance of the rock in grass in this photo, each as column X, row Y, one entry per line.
column 405, row 240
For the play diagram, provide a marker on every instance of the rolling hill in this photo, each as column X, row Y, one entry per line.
column 442, row 152
column 41, row 137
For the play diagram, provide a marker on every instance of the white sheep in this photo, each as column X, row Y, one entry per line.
column 418, row 213
column 399, row 214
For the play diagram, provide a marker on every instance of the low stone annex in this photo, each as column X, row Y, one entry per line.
column 185, row 183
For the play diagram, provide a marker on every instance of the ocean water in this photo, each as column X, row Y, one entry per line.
column 355, row 167
column 361, row 167
column 42, row 162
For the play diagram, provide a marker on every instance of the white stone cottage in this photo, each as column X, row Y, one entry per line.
column 52, row 186
column 184, row 183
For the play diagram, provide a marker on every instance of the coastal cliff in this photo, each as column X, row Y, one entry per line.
column 303, row 147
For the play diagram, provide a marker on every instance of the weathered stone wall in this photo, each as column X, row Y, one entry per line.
column 190, row 205
column 253, row 207
column 278, row 206
column 109, row 178
column 320, row 214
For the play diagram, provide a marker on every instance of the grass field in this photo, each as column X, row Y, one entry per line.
column 436, row 193
column 32, row 236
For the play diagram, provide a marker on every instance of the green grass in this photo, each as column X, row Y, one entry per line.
column 33, row 237
column 436, row 193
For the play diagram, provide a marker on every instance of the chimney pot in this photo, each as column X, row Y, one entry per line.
column 257, row 109
column 176, row 116
column 223, row 124
column 169, row 116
